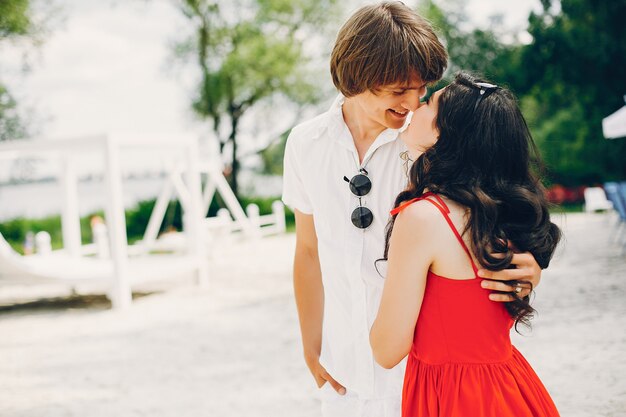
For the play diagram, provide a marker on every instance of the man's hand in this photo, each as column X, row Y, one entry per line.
column 512, row 283
column 309, row 293
column 322, row 377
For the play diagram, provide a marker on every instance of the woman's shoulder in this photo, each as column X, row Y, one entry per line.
column 419, row 212
column 420, row 225
column 430, row 213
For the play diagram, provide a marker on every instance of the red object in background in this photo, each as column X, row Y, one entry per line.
column 556, row 194
column 559, row 194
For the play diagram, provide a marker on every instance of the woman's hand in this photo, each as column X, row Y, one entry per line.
column 510, row 283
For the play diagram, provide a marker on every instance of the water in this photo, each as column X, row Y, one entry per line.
column 42, row 199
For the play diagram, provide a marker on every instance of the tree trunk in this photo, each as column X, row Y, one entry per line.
column 234, row 117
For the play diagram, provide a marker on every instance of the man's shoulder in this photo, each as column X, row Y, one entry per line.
column 310, row 129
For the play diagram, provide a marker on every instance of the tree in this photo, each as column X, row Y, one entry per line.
column 568, row 78
column 15, row 23
column 11, row 124
column 574, row 77
column 273, row 155
column 249, row 51
column 473, row 49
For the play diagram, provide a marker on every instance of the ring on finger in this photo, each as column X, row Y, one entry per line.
column 518, row 289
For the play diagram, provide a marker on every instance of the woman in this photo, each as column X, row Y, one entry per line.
column 472, row 201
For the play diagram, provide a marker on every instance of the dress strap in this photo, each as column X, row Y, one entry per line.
column 443, row 208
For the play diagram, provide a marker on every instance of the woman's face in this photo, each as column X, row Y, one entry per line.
column 422, row 133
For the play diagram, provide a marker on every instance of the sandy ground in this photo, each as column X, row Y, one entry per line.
column 232, row 349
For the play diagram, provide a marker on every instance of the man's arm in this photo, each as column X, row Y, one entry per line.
column 527, row 271
column 309, row 293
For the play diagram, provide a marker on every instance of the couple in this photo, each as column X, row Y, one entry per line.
column 466, row 237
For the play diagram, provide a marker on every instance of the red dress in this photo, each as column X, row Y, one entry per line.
column 462, row 363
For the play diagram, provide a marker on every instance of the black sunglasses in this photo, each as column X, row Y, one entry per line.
column 484, row 91
column 360, row 185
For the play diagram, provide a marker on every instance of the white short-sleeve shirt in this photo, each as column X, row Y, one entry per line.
column 319, row 153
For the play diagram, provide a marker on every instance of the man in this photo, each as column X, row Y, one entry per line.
column 343, row 170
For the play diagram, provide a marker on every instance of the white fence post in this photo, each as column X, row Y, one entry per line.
column 121, row 293
column 224, row 215
column 193, row 214
column 43, row 243
column 70, row 219
column 253, row 212
column 278, row 210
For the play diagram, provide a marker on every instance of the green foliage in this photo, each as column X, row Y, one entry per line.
column 568, row 78
column 567, row 208
column 11, row 124
column 273, row 155
column 15, row 230
column 265, row 204
column 472, row 49
column 265, row 207
column 574, row 70
column 15, row 23
column 14, row 18
column 137, row 219
column 249, row 51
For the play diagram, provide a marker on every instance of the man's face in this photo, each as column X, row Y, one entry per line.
column 390, row 105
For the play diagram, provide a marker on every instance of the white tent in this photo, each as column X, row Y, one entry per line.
column 614, row 126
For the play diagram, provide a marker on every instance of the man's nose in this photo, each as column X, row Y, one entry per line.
column 411, row 100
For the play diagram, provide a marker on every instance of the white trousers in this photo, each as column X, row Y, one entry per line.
column 350, row 405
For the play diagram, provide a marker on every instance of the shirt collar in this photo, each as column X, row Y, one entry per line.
column 335, row 126
column 333, row 119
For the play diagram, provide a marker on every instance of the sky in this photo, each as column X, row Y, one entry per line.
column 104, row 68
column 107, row 66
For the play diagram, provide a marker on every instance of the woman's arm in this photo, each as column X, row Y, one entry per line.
column 411, row 252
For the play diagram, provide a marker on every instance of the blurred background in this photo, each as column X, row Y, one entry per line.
column 238, row 75
column 241, row 74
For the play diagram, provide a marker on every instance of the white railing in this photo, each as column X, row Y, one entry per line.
column 263, row 225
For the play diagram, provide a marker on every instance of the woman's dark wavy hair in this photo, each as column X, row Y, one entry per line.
column 485, row 159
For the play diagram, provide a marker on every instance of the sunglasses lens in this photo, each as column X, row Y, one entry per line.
column 362, row 217
column 360, row 185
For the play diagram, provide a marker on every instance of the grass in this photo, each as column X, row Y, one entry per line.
column 567, row 208
column 137, row 217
